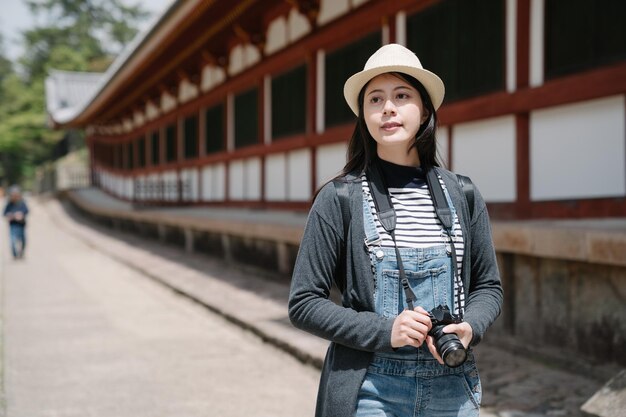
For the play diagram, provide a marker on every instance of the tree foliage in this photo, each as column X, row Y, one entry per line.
column 73, row 35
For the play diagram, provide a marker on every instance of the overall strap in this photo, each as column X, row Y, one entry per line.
column 468, row 189
column 387, row 217
column 444, row 213
column 439, row 199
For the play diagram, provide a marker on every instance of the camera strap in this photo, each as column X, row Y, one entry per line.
column 387, row 217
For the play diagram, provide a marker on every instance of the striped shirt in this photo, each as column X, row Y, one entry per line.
column 417, row 224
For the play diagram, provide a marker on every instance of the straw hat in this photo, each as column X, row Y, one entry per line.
column 393, row 58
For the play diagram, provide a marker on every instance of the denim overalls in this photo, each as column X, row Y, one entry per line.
column 409, row 381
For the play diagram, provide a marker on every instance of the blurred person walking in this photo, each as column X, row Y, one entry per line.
column 15, row 212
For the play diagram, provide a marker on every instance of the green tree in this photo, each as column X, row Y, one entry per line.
column 89, row 30
column 73, row 35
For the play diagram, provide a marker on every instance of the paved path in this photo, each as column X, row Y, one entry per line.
column 114, row 319
column 85, row 335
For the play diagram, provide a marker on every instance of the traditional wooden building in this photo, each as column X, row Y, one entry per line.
column 240, row 103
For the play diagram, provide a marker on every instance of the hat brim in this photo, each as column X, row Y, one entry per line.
column 431, row 82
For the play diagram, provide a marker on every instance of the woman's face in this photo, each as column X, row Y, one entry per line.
column 393, row 112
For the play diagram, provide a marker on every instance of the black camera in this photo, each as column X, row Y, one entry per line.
column 448, row 345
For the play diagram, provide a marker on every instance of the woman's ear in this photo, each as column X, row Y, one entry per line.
column 425, row 116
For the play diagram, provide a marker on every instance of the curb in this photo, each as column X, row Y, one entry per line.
column 300, row 354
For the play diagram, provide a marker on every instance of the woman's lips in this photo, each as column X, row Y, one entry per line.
column 391, row 126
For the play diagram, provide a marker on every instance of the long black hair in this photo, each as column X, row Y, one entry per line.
column 362, row 146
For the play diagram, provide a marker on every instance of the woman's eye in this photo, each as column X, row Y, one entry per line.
column 403, row 96
column 375, row 100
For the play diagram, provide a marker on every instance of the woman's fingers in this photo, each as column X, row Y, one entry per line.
column 410, row 328
column 463, row 331
column 433, row 350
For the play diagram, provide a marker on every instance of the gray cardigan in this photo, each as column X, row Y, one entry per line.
column 354, row 329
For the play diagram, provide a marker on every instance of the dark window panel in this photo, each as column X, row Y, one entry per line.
column 191, row 137
column 130, row 151
column 462, row 41
column 171, row 154
column 340, row 65
column 214, row 132
column 289, row 103
column 581, row 35
column 246, row 118
column 156, row 148
column 142, row 152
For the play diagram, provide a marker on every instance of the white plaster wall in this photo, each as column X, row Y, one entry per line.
column 206, row 81
column 237, row 60
column 170, row 182
column 298, row 25
column 443, row 151
column 111, row 184
column 485, row 151
column 276, row 35
column 187, row 91
column 331, row 9
column 141, row 183
column 168, row 102
column 139, row 118
column 578, row 150
column 128, row 187
column 236, row 178
column 152, row 111
column 190, row 176
column 127, row 124
column 251, row 55
column 275, row 178
column 207, row 183
column 299, row 177
column 118, row 186
column 213, row 182
column 153, row 194
column 106, row 181
column 329, row 160
column 252, row 185
column 219, row 181
column 211, row 76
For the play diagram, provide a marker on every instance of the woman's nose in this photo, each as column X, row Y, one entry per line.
column 389, row 108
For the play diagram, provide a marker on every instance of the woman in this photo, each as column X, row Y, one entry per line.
column 382, row 360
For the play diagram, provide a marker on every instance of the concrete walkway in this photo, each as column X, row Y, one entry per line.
column 513, row 386
column 86, row 335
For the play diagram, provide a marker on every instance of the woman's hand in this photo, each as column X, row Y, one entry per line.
column 463, row 331
column 410, row 328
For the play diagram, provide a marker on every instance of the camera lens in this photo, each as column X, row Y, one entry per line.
column 449, row 347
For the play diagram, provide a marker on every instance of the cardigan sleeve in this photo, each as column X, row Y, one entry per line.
column 315, row 270
column 485, row 294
